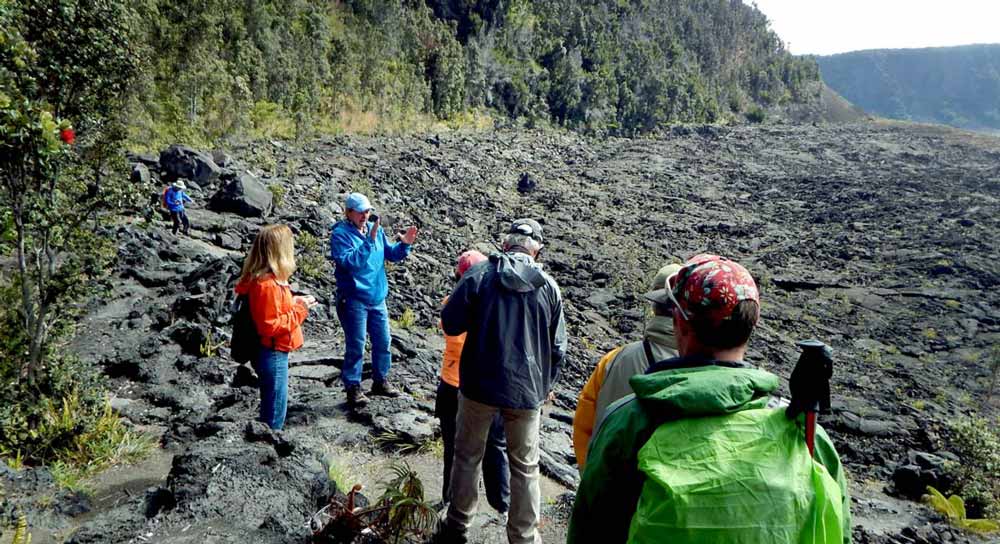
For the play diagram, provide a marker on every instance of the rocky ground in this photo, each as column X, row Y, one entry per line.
column 881, row 240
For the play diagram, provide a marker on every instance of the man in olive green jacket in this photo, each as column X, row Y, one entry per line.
column 609, row 381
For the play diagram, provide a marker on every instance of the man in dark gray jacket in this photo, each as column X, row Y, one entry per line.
column 515, row 345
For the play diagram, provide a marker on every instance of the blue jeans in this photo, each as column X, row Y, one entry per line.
column 272, row 370
column 359, row 320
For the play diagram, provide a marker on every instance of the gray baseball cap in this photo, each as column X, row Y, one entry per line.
column 527, row 227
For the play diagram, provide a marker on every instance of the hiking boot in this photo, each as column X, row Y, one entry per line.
column 384, row 389
column 445, row 534
column 355, row 396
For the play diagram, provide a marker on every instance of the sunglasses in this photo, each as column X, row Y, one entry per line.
column 670, row 293
column 682, row 279
column 526, row 230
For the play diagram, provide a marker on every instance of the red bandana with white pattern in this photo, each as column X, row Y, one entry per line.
column 709, row 287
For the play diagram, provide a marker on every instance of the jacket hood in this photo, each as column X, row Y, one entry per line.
column 704, row 390
column 518, row 272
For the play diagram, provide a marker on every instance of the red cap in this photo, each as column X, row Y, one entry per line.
column 466, row 260
column 709, row 287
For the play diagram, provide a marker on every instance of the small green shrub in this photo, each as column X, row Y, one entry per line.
column 874, row 357
column 74, row 437
column 405, row 321
column 38, row 425
column 270, row 120
column 311, row 261
column 338, row 475
column 291, row 167
column 433, row 447
column 70, row 477
column 278, row 191
column 363, row 186
column 756, row 115
column 994, row 373
column 976, row 441
column 16, row 462
column 954, row 509
column 106, row 443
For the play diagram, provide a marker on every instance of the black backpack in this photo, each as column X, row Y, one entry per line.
column 245, row 343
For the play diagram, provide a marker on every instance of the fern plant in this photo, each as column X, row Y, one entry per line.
column 409, row 514
column 954, row 509
column 400, row 515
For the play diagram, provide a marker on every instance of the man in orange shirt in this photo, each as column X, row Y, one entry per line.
column 496, row 470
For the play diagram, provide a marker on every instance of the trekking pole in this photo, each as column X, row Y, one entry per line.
column 810, row 386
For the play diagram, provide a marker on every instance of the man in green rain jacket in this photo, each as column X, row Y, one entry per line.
column 697, row 455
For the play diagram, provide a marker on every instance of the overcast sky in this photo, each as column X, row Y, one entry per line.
column 825, row 27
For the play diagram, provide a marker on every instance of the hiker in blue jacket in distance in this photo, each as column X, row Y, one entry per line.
column 359, row 249
column 174, row 199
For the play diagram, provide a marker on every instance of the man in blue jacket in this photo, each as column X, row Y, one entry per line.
column 359, row 249
column 174, row 198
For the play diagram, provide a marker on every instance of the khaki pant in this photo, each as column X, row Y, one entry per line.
column 521, row 428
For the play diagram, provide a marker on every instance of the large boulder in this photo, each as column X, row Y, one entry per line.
column 140, row 174
column 150, row 160
column 244, row 195
column 221, row 158
column 179, row 161
column 239, row 483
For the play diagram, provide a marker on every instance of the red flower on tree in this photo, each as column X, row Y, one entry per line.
column 68, row 136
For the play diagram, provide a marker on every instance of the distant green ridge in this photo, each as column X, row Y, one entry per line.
column 957, row 86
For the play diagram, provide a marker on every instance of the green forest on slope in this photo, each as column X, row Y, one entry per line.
column 957, row 86
column 294, row 67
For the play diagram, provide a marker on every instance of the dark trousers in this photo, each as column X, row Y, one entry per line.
column 496, row 470
column 180, row 218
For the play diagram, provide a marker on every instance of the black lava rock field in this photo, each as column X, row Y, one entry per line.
column 881, row 240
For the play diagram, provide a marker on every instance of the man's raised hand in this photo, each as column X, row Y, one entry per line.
column 409, row 236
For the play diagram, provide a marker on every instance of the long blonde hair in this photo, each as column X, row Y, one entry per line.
column 273, row 252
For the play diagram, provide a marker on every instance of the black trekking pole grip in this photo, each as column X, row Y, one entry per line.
column 810, row 385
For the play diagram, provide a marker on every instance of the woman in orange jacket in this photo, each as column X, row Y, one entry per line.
column 277, row 314
column 496, row 469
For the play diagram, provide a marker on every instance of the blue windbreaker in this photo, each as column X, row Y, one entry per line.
column 360, row 262
column 175, row 199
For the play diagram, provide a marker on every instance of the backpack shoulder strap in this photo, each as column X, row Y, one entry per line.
column 646, row 347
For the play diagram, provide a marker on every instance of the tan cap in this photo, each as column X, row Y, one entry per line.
column 657, row 293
